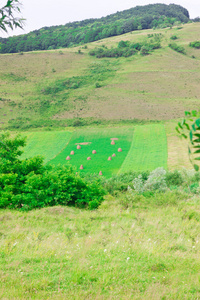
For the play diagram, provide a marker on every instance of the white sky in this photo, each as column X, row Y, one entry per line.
column 40, row 13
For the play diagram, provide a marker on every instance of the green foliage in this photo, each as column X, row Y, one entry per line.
column 77, row 33
column 156, row 181
column 121, row 182
column 189, row 128
column 145, row 50
column 173, row 37
column 195, row 44
column 174, row 178
column 61, row 85
column 97, row 85
column 177, row 48
column 126, row 49
column 27, row 184
column 7, row 15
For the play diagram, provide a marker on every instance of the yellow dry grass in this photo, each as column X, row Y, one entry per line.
column 177, row 149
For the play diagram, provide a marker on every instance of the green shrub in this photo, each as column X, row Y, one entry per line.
column 97, row 85
column 145, row 50
column 121, row 182
column 177, row 48
column 195, row 44
column 155, row 181
column 28, row 184
column 174, row 178
column 173, row 37
column 126, row 49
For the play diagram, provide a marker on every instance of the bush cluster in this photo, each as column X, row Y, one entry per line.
column 177, row 48
column 173, row 37
column 28, row 184
column 126, row 49
column 158, row 180
column 195, row 44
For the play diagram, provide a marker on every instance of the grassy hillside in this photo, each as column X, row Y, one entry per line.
column 143, row 248
column 57, row 88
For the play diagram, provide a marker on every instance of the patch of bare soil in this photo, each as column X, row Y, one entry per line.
column 84, row 143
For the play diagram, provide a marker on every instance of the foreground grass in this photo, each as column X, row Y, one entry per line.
column 141, row 249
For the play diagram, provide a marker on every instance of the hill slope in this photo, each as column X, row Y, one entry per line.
column 57, row 88
column 76, row 33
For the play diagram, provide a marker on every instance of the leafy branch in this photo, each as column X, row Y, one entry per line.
column 7, row 15
column 189, row 128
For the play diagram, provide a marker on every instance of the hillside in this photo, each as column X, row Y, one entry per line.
column 70, row 87
column 77, row 33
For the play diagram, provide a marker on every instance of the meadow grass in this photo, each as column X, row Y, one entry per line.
column 135, row 249
column 98, row 139
column 47, row 144
column 148, row 150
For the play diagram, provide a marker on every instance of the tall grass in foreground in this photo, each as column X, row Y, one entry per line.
column 140, row 248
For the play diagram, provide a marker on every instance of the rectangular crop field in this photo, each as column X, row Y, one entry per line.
column 143, row 148
column 148, row 150
column 46, row 143
column 98, row 139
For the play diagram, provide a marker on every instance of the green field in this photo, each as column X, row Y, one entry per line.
column 46, row 144
column 99, row 140
column 148, row 150
column 143, row 148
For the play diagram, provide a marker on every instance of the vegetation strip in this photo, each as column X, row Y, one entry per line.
column 148, row 150
column 47, row 144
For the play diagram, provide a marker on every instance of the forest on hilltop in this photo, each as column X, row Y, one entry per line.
column 78, row 33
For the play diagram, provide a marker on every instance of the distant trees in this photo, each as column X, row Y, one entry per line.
column 7, row 15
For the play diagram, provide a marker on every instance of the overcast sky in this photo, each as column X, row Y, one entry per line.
column 40, row 13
